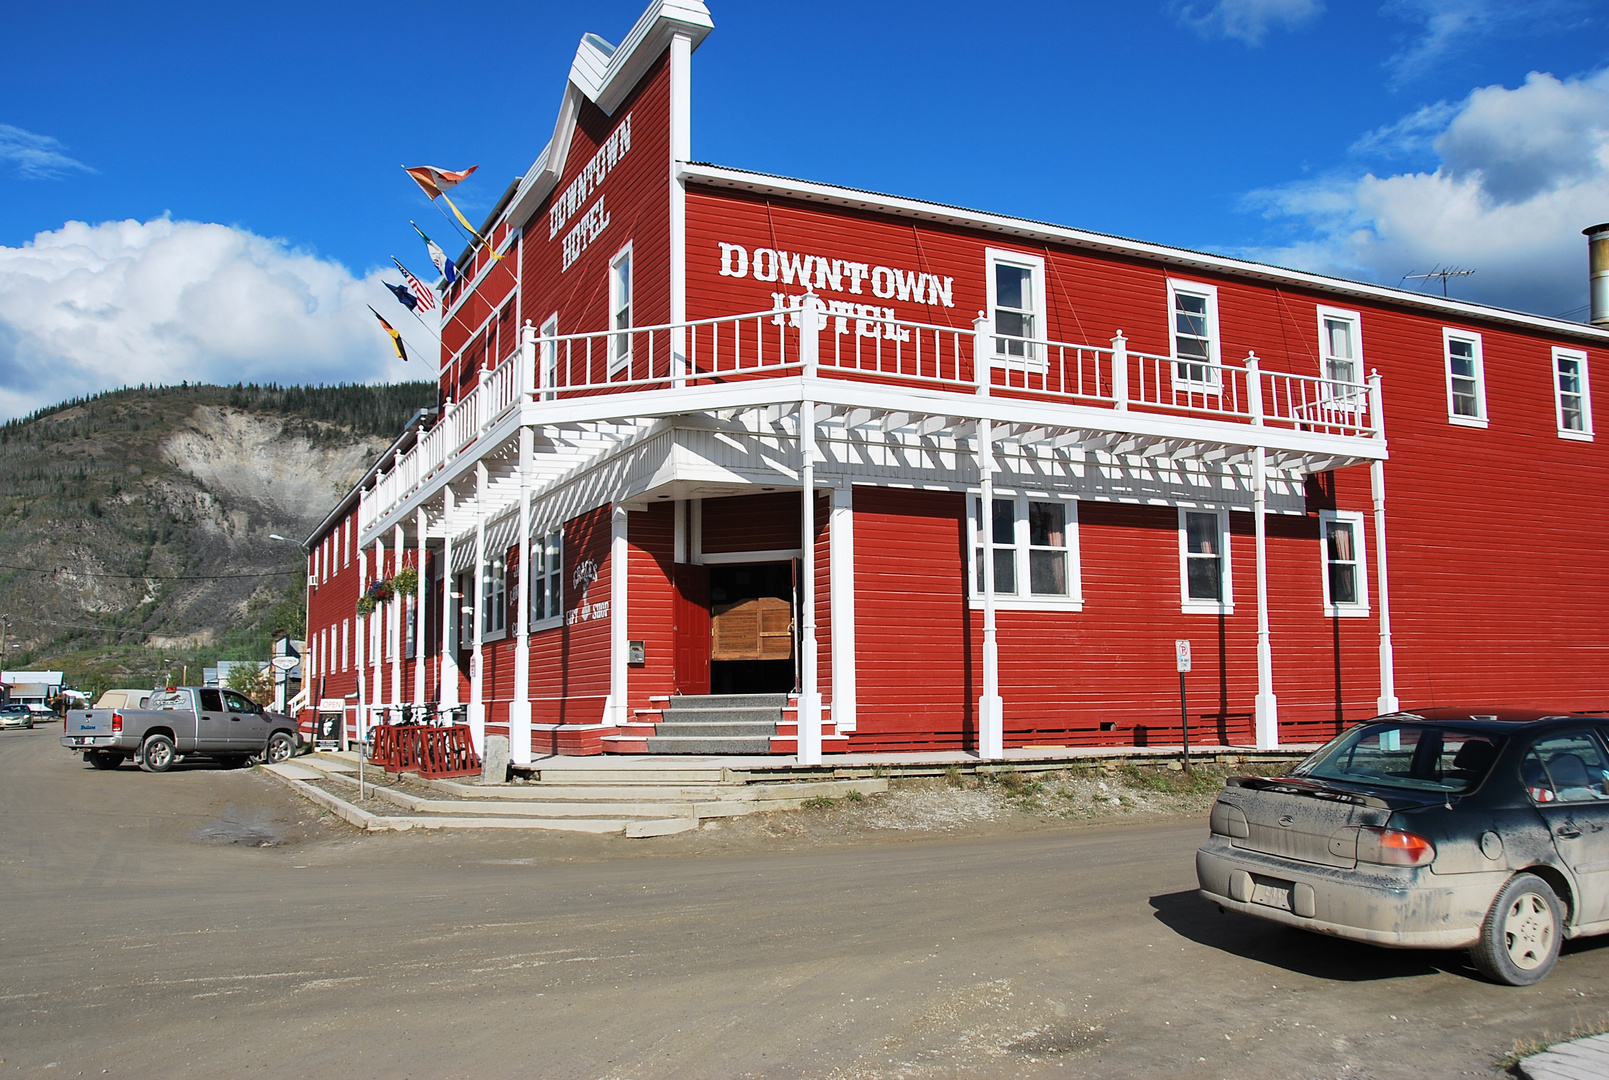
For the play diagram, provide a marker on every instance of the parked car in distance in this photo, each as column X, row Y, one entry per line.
column 1479, row 829
column 123, row 699
column 16, row 716
column 179, row 722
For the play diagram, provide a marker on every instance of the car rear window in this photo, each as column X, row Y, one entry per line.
column 1409, row 756
column 170, row 700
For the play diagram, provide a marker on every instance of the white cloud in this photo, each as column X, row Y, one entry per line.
column 36, row 157
column 1521, row 173
column 1247, row 20
column 86, row 308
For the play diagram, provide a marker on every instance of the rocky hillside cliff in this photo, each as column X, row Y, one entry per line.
column 134, row 526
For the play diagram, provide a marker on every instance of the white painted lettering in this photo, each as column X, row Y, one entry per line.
column 882, row 282
column 792, row 265
column 857, row 273
column 940, row 294
column 769, row 257
column 907, row 283
column 734, row 260
column 830, row 274
column 572, row 198
column 585, row 232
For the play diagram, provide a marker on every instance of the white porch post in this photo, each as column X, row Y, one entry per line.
column 360, row 626
column 681, row 150
column 1387, row 702
column 841, row 588
column 809, row 738
column 991, row 709
column 519, row 710
column 617, row 710
column 1267, row 706
column 377, row 622
column 397, row 605
column 447, row 662
column 477, row 667
column 419, row 613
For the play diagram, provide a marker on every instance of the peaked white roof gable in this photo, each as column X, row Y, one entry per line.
column 605, row 75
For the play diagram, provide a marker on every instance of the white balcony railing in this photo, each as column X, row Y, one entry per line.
column 848, row 346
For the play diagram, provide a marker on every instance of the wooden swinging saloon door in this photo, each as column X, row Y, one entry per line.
column 692, row 629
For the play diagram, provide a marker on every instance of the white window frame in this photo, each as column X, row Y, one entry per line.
column 1584, row 434
column 1327, row 382
column 1359, row 609
column 1035, row 356
column 547, row 357
column 494, row 609
column 1021, row 549
column 1189, row 605
column 345, row 636
column 622, row 297
column 1213, row 383
column 543, row 546
column 1448, row 336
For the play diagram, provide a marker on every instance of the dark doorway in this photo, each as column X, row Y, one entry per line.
column 751, row 628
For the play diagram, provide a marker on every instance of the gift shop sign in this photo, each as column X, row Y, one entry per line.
column 824, row 276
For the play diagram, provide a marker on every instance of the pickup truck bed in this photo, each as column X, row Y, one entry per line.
column 177, row 723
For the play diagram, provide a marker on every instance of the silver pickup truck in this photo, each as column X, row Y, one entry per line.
column 178, row 722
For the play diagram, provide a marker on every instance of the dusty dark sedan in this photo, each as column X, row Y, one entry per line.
column 1485, row 829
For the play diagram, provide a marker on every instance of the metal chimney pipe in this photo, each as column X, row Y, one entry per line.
column 1598, row 272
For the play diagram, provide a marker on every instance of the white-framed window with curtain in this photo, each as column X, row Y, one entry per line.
column 1204, row 572
column 1016, row 296
column 462, row 603
column 547, row 578
column 1033, row 542
column 346, row 635
column 1345, row 576
column 1341, row 359
column 1466, row 378
column 1193, row 309
column 1572, row 396
column 620, row 299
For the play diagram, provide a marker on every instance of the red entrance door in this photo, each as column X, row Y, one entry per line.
column 692, row 629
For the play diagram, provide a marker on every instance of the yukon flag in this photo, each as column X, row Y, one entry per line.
column 396, row 338
column 444, row 265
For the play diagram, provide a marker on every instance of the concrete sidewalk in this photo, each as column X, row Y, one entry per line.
column 1581, row 1059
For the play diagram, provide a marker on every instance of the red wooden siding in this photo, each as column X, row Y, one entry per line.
column 651, row 612
column 768, row 522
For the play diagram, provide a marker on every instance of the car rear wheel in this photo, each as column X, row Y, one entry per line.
column 281, row 747
column 157, row 754
column 104, row 759
column 1520, row 938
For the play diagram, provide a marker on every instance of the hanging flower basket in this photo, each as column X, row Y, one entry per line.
column 406, row 581
column 366, row 605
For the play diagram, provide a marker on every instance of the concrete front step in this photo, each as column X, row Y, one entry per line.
column 709, row 744
column 724, row 701
column 716, row 726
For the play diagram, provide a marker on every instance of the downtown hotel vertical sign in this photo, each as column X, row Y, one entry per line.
column 595, row 219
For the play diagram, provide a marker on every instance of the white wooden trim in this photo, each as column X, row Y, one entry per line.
column 722, row 176
column 617, row 711
column 617, row 364
column 1214, row 384
column 1226, row 606
column 841, row 598
column 1332, row 610
column 729, row 558
column 1023, row 599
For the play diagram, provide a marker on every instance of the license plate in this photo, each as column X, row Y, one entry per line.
column 1271, row 895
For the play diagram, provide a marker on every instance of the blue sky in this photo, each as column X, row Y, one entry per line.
column 235, row 167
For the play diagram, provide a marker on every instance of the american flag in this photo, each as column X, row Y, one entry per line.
column 422, row 292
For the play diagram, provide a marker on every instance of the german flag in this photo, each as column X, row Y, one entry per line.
column 396, row 338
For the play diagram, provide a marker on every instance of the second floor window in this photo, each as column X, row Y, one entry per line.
column 1466, row 391
column 1195, row 335
column 620, row 310
column 1571, row 398
column 1016, row 307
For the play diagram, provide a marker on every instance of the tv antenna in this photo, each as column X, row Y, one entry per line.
column 1440, row 272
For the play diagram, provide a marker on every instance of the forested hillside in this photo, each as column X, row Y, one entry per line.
column 135, row 525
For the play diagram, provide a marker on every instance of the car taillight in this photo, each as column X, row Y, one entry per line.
column 117, row 722
column 1394, row 847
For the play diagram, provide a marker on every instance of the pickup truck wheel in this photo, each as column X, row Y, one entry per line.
column 104, row 759
column 281, row 747
column 1520, row 938
column 157, row 754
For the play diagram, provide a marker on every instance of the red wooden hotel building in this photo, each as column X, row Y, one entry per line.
column 1035, row 456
